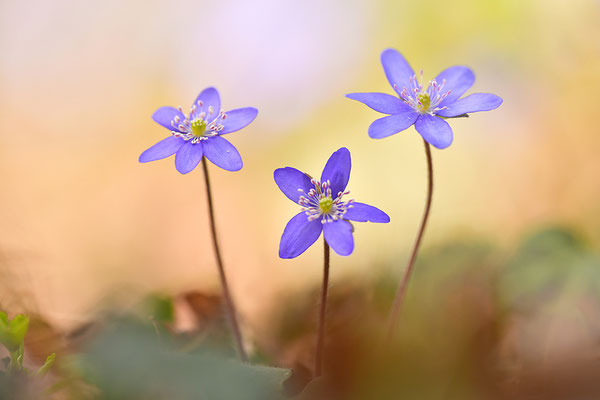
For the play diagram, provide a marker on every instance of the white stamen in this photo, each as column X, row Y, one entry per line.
column 415, row 94
column 183, row 128
column 311, row 203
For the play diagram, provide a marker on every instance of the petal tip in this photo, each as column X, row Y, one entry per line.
column 211, row 89
column 389, row 51
column 288, row 253
column 213, row 95
column 236, row 169
column 499, row 101
column 374, row 134
column 343, row 252
column 440, row 146
column 277, row 173
column 164, row 116
column 468, row 71
column 286, row 256
column 231, row 168
column 254, row 111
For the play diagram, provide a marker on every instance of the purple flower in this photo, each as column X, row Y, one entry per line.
column 425, row 107
column 322, row 208
column 200, row 133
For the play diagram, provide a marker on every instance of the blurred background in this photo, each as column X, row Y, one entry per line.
column 82, row 221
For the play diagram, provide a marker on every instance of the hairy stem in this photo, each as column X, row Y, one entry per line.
column 395, row 314
column 322, row 309
column 231, row 310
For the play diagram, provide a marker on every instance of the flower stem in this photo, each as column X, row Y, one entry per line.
column 322, row 309
column 226, row 292
column 395, row 314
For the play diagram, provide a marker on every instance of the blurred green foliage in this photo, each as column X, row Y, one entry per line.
column 16, row 381
column 160, row 308
column 128, row 360
column 12, row 332
column 549, row 265
column 479, row 322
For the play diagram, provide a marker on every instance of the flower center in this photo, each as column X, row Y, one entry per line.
column 201, row 124
column 319, row 203
column 198, row 127
column 325, row 204
column 423, row 103
column 424, row 100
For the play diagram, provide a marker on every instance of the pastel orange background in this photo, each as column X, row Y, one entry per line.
column 81, row 219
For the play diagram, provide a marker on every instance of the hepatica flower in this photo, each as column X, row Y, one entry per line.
column 323, row 208
column 424, row 105
column 200, row 133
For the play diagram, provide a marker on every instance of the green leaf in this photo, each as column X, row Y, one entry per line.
column 161, row 308
column 47, row 365
column 12, row 332
column 18, row 327
column 3, row 320
column 550, row 264
column 112, row 360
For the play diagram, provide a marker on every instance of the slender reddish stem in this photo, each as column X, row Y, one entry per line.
column 395, row 314
column 322, row 310
column 231, row 310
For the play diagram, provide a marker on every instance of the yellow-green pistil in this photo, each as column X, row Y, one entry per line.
column 325, row 204
column 424, row 102
column 198, row 128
